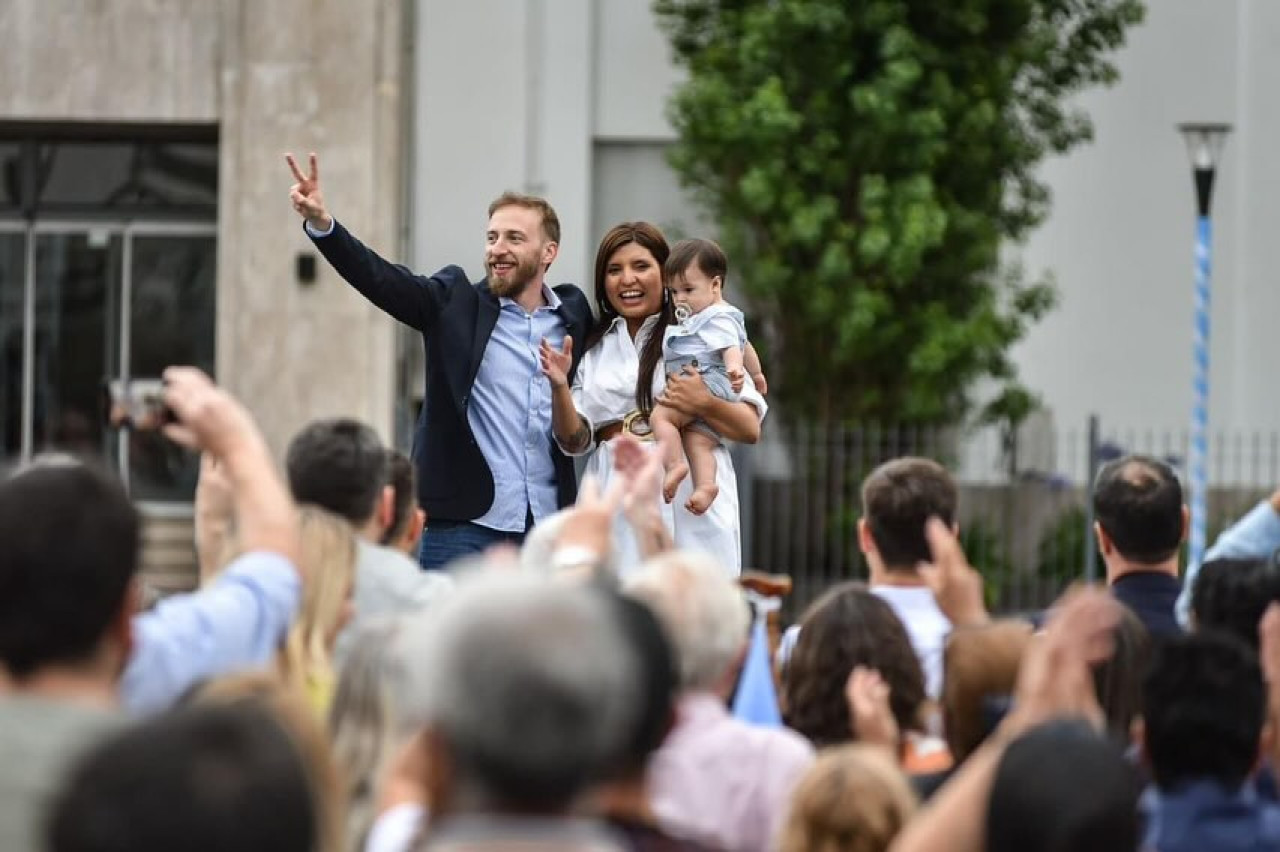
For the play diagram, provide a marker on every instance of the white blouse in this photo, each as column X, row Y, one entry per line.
column 603, row 393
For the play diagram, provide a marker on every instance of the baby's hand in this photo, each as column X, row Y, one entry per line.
column 737, row 378
column 762, row 384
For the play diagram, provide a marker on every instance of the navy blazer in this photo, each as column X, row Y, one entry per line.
column 456, row 319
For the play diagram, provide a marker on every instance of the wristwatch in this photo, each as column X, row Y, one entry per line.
column 574, row 559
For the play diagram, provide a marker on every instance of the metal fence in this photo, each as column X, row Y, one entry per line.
column 1024, row 514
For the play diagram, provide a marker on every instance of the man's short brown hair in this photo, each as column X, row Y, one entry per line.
column 550, row 221
column 898, row 498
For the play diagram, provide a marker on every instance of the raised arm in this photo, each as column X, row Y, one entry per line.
column 1055, row 680
column 1254, row 536
column 239, row 620
column 211, row 420
column 641, row 470
column 412, row 299
column 214, row 518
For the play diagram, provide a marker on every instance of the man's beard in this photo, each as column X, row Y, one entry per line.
column 526, row 270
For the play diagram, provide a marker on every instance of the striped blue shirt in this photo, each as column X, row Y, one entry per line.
column 509, row 411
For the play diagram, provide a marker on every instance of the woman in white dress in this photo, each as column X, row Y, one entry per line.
column 601, row 403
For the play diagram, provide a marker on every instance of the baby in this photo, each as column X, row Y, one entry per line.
column 709, row 336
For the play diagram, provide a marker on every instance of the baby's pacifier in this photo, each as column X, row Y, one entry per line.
column 683, row 312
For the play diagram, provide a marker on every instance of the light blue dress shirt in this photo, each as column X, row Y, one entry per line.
column 510, row 413
column 1255, row 536
column 238, row 622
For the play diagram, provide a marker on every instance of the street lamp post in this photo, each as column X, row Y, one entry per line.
column 1204, row 145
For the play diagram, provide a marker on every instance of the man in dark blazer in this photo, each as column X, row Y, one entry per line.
column 487, row 466
column 1141, row 523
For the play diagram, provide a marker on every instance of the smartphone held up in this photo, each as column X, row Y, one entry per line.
column 135, row 404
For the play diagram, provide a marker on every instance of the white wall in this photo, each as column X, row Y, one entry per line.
column 1254, row 161
column 1119, row 237
column 502, row 101
column 127, row 60
column 634, row 73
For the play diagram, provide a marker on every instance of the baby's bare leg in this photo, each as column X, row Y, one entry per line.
column 666, row 423
column 700, row 448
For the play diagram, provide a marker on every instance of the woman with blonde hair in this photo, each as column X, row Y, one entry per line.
column 329, row 560
column 853, row 799
column 367, row 725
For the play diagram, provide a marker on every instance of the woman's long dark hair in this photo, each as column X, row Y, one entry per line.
column 651, row 355
column 649, row 237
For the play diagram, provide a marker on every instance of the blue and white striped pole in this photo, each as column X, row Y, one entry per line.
column 1204, row 143
column 1199, row 450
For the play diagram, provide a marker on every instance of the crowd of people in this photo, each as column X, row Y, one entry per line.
column 467, row 650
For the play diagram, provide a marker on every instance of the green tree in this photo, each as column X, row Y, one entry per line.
column 865, row 162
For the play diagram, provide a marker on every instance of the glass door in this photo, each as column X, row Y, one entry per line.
column 13, row 251
column 75, row 345
column 84, row 303
column 169, row 321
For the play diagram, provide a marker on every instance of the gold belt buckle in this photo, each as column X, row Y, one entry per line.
column 637, row 425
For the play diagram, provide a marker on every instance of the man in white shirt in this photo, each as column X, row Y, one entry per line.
column 898, row 499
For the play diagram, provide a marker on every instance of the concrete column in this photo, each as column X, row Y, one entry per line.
column 300, row 76
column 126, row 60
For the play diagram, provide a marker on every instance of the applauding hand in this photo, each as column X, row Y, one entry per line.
column 556, row 362
column 306, row 197
column 589, row 525
column 867, row 696
column 955, row 585
column 641, row 471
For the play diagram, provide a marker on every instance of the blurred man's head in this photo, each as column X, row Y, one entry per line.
column 340, row 465
column 1063, row 786
column 1231, row 595
column 898, row 498
column 408, row 519
column 528, row 690
column 1204, row 705
column 1141, row 519
column 704, row 614
column 69, row 545
column 203, row 780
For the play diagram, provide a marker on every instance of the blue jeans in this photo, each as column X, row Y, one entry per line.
column 445, row 541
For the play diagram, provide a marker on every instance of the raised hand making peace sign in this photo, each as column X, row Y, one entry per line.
column 305, row 195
